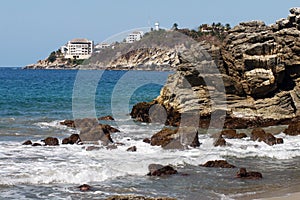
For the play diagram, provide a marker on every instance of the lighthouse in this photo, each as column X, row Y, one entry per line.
column 156, row 26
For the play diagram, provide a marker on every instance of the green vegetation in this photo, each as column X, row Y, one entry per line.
column 52, row 57
column 206, row 32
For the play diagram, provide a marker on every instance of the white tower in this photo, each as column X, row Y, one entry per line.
column 156, row 25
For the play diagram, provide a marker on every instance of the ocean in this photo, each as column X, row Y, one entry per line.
column 34, row 102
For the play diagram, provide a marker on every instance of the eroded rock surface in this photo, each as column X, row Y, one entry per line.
column 256, row 82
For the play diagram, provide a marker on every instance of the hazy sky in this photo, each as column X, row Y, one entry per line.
column 31, row 29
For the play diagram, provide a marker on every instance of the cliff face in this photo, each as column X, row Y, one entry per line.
column 260, row 69
column 144, row 59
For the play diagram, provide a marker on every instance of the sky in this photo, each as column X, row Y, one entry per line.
column 31, row 29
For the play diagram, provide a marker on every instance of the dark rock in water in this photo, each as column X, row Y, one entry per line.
column 154, row 112
column 260, row 135
column 220, row 142
column 132, row 149
column 279, row 141
column 232, row 134
column 91, row 131
column 28, row 142
column 66, row 141
column 73, row 139
column 93, row 148
column 242, row 173
column 160, row 170
column 133, row 197
column 163, row 137
column 293, row 129
column 51, row 141
column 68, row 123
column 84, row 187
column 106, row 118
column 36, row 144
column 140, row 112
column 229, row 134
column 176, row 139
column 147, row 140
column 218, row 163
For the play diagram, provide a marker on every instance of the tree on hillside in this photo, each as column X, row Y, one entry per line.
column 175, row 27
column 52, row 57
column 227, row 27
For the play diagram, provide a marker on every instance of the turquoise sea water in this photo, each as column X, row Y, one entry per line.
column 33, row 102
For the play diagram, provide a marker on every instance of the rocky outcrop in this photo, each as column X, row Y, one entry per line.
column 255, row 84
column 58, row 63
column 146, row 59
column 176, row 139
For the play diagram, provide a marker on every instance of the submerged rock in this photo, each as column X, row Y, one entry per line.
column 84, row 187
column 242, row 173
column 160, row 170
column 218, row 163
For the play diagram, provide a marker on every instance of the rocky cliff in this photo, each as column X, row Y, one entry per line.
column 259, row 66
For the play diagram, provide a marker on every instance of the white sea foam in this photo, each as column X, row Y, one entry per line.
column 53, row 124
column 72, row 164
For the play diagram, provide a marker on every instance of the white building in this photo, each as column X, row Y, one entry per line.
column 134, row 36
column 102, row 46
column 156, row 26
column 78, row 49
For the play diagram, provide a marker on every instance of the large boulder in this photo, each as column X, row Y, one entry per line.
column 176, row 138
column 90, row 131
